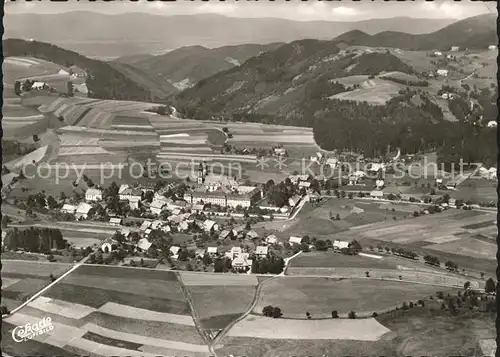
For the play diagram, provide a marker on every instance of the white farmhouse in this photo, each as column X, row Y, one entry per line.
column 143, row 244
column 93, row 194
column 261, row 251
column 338, row 244
column 157, row 206
column 377, row 194
column 82, row 210
column 115, row 221
column 175, row 251
column 271, row 239
column 295, row 240
column 442, row 72
column 492, row 47
column 67, row 208
column 438, row 53
column 108, row 245
column 455, row 48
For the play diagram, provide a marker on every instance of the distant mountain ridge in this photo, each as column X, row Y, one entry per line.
column 475, row 32
column 185, row 66
column 94, row 34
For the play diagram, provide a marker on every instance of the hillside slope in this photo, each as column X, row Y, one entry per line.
column 94, row 34
column 104, row 81
column 185, row 66
column 275, row 82
column 475, row 32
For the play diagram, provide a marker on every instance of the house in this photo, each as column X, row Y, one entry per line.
column 144, row 244
column 314, row 197
column 166, row 228
column 338, row 244
column 437, row 53
column 108, row 245
column 209, row 226
column 492, row 124
column 252, row 234
column 82, row 210
column 183, row 226
column 455, row 48
column 332, row 162
column 199, row 253
column 156, row 224
column 492, row 47
column 175, row 251
column 377, row 194
column 237, row 231
column 439, row 181
column 241, row 264
column 145, row 225
column 63, row 72
column 122, row 188
column 130, row 195
column 442, row 72
column 225, row 234
column 157, row 206
column 448, row 96
column 452, row 202
column 304, row 184
column 125, row 232
column 235, row 252
column 176, row 211
column 279, row 151
column 197, row 208
column 93, row 194
column 261, row 251
column 67, row 208
column 293, row 201
column 271, row 239
column 4, row 234
column 212, row 251
column 39, row 85
column 295, row 240
column 115, row 221
column 147, row 232
column 379, row 184
column 77, row 72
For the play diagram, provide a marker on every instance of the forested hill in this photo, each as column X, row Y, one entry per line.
column 104, row 81
column 276, row 82
column 476, row 32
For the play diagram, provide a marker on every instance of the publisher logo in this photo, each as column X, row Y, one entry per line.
column 29, row 331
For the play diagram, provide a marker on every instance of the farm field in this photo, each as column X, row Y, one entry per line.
column 417, row 235
column 476, row 191
column 22, row 279
column 412, row 333
column 316, row 222
column 106, row 310
column 374, row 91
column 326, row 329
column 319, row 296
column 219, row 298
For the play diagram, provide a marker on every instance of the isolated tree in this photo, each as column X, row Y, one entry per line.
column 277, row 312
column 268, row 311
column 308, row 315
column 490, row 286
column 367, row 273
column 4, row 310
column 374, row 314
column 70, row 89
column 52, row 278
column 467, row 285
column 352, row 315
column 335, row 314
column 17, row 88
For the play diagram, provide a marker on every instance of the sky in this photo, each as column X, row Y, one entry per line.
column 294, row 10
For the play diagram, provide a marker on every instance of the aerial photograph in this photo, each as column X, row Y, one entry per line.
column 242, row 178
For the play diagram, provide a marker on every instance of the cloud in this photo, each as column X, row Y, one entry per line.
column 444, row 10
column 344, row 11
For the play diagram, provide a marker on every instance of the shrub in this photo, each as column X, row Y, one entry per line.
column 352, row 315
